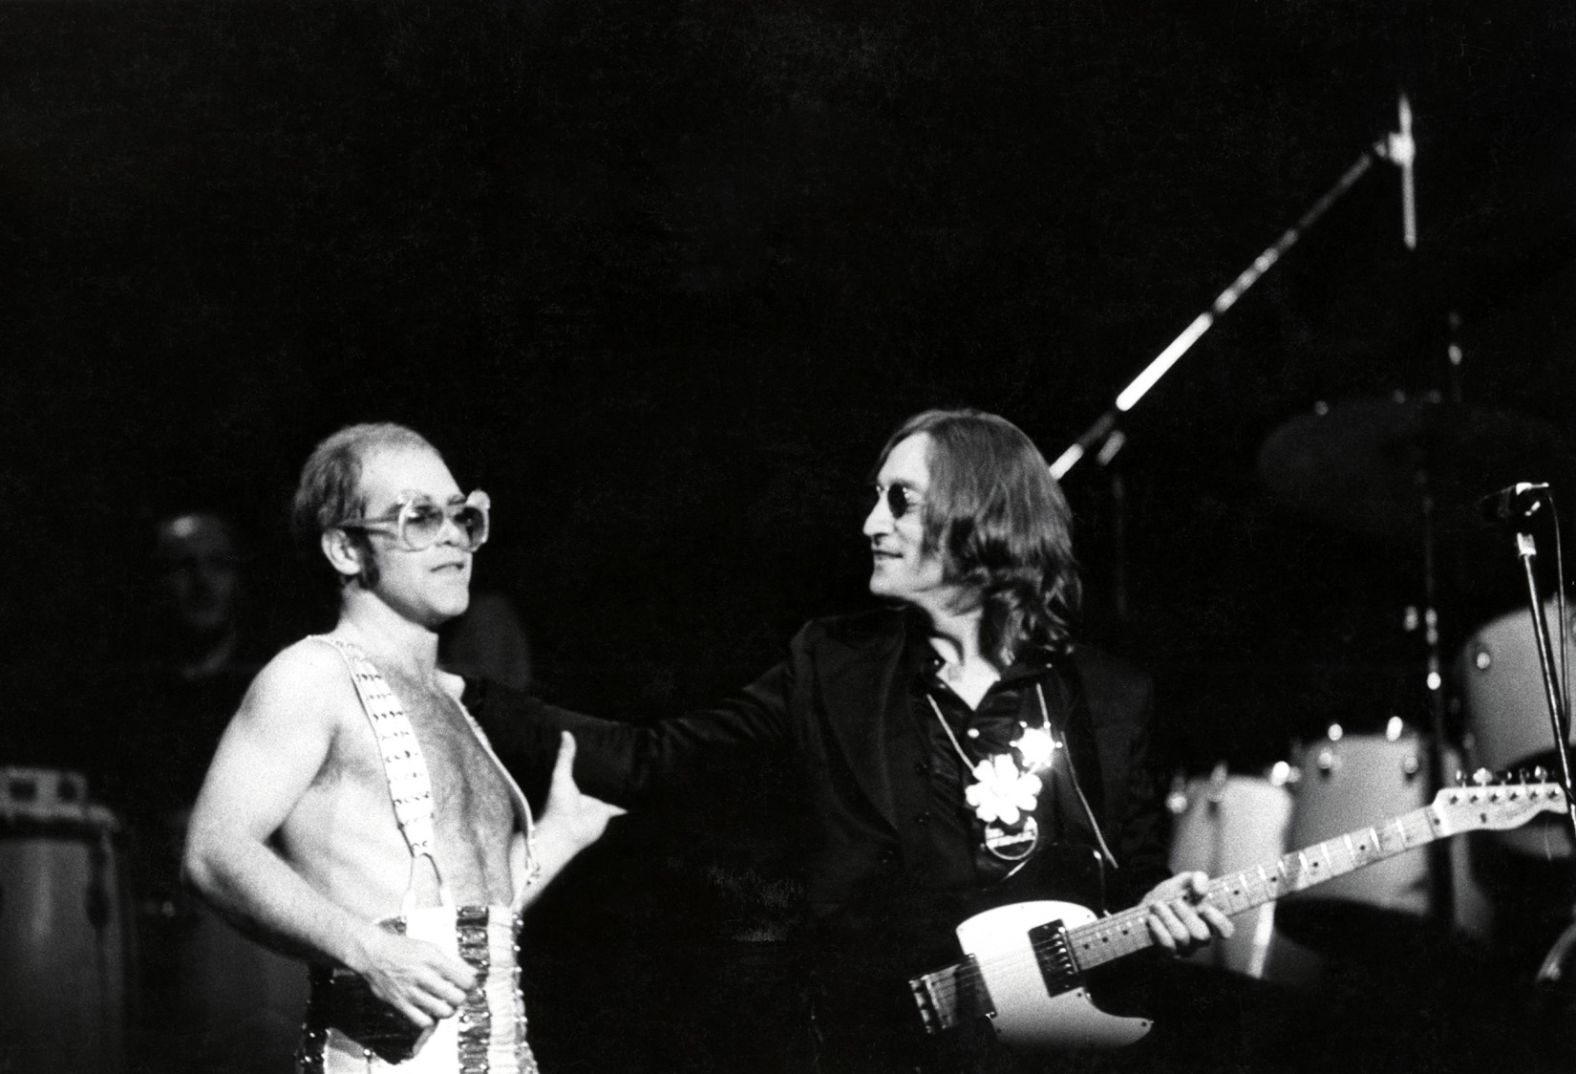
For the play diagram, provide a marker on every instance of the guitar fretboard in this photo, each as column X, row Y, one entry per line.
column 950, row 995
column 1127, row 932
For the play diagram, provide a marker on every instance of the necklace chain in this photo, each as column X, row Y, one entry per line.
column 968, row 762
column 968, row 766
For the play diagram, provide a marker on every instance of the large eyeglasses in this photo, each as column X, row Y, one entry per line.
column 417, row 520
column 900, row 499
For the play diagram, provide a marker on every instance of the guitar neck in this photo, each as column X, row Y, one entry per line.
column 1127, row 932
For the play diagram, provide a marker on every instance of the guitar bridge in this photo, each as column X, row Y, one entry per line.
column 950, row 996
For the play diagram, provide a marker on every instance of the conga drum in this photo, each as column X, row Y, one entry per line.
column 1500, row 680
column 1223, row 823
column 65, row 944
column 228, row 1004
column 1351, row 783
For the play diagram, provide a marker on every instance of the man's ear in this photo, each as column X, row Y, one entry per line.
column 343, row 553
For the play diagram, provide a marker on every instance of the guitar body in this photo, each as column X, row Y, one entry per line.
column 1027, row 1014
column 1026, row 961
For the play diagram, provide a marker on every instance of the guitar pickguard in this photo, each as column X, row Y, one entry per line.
column 1028, row 1013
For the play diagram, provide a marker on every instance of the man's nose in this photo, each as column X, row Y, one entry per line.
column 451, row 532
column 879, row 520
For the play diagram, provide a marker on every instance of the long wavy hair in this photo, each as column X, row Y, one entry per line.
column 1001, row 526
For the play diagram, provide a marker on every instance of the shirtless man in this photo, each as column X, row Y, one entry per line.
column 353, row 815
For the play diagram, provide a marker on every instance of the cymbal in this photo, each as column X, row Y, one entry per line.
column 1371, row 465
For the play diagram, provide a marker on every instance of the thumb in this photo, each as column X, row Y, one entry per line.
column 564, row 767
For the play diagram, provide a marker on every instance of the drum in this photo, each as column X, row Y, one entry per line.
column 1500, row 680
column 65, row 945
column 1352, row 783
column 1224, row 823
column 221, row 1001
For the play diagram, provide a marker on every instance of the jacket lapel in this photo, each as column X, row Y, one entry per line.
column 1069, row 711
column 866, row 706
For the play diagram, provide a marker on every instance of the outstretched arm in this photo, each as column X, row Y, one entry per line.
column 630, row 764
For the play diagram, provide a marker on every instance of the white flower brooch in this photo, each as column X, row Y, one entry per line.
column 1001, row 791
column 1005, row 789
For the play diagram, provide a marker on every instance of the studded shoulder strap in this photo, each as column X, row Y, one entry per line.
column 410, row 787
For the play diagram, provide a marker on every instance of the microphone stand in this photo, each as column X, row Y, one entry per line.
column 1553, row 690
column 1552, row 969
column 1397, row 147
column 1098, row 433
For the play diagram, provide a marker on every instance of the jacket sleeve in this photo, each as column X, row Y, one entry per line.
column 1122, row 703
column 631, row 764
column 1142, row 823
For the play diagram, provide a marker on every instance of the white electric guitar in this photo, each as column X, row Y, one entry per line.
column 1026, row 961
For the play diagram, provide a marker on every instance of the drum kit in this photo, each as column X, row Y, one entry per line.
column 102, row 973
column 1409, row 472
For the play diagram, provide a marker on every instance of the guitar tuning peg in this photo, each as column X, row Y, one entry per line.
column 1482, row 777
column 1460, row 777
column 1540, row 774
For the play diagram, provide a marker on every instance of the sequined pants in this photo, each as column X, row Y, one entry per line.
column 486, row 1036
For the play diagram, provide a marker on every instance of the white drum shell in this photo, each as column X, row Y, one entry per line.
column 1359, row 782
column 65, row 954
column 1228, row 825
column 1500, row 680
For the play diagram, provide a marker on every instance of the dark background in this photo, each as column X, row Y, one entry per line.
column 662, row 275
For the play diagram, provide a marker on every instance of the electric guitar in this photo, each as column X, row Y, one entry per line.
column 1026, row 961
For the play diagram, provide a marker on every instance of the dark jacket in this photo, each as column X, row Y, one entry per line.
column 838, row 710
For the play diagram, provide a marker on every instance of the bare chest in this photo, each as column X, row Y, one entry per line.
column 470, row 797
column 970, row 682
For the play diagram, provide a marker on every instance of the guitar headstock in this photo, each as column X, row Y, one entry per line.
column 1495, row 805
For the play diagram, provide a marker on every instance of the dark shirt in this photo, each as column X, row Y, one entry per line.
column 958, row 836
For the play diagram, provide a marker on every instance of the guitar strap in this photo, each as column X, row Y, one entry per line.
column 1078, row 715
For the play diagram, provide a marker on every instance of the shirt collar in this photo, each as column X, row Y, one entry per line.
column 923, row 662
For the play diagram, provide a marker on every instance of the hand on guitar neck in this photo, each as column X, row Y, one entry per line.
column 1027, row 961
column 1181, row 919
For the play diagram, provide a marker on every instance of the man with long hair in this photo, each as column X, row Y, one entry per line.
column 954, row 750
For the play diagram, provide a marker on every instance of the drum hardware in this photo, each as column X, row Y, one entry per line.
column 1408, row 469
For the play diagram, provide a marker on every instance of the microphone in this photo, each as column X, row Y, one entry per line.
column 1401, row 150
column 1514, row 502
